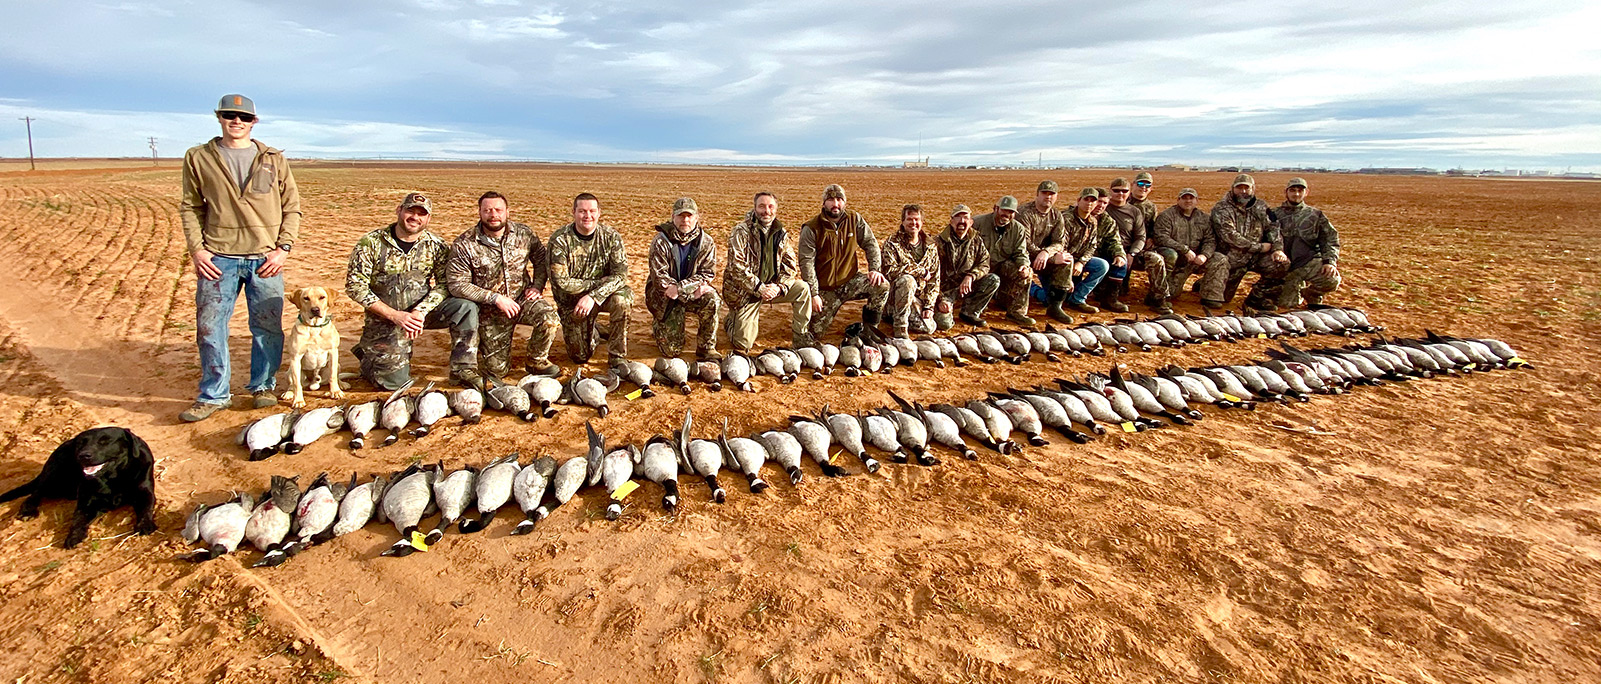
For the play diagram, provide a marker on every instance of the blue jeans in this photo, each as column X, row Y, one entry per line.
column 214, row 304
column 1094, row 270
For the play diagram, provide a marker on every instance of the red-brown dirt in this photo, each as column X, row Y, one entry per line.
column 1449, row 530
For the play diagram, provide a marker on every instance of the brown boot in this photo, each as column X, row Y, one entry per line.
column 1054, row 310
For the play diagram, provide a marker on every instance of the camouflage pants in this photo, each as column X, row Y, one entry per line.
column 385, row 353
column 744, row 319
column 1116, row 285
column 1011, row 294
column 1225, row 270
column 668, row 323
column 855, row 288
column 495, row 333
column 904, row 310
column 1298, row 282
column 582, row 335
column 973, row 304
column 1175, row 270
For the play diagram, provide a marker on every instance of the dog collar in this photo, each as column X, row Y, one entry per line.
column 325, row 321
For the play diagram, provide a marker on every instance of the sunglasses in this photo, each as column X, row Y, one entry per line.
column 1143, row 184
column 1120, row 191
column 238, row 116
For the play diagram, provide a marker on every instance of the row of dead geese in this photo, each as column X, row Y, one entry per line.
column 863, row 351
column 286, row 521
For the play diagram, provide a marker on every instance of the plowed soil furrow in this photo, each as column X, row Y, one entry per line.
column 150, row 284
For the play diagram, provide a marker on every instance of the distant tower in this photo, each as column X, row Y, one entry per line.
column 153, row 150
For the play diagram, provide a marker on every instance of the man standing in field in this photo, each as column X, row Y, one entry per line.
column 912, row 266
column 589, row 276
column 1047, row 232
column 964, row 272
column 241, row 213
column 397, row 274
column 762, row 268
column 828, row 244
column 1313, row 246
column 1132, row 231
column 683, row 261
column 1184, row 242
column 1247, row 241
column 1006, row 240
column 501, row 265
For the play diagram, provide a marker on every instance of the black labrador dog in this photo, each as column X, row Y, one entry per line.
column 103, row 468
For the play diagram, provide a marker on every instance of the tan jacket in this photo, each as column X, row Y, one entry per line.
column 221, row 219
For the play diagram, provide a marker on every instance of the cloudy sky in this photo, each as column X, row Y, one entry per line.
column 1348, row 84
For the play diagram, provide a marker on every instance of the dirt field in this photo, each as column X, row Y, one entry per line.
column 1448, row 531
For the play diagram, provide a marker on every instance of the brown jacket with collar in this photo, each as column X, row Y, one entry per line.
column 221, row 219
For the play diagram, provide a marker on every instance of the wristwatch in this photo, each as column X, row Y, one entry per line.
column 285, row 247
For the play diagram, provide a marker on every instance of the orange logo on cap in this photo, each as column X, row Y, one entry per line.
column 238, row 100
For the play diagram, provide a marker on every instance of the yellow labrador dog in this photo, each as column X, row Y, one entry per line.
column 313, row 347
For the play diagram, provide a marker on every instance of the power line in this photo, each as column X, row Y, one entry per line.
column 29, row 121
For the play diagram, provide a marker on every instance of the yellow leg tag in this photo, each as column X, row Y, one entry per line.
column 417, row 541
column 1128, row 427
column 1231, row 397
column 623, row 491
column 836, row 456
column 634, row 394
column 1470, row 366
column 1205, row 342
column 1515, row 360
column 1261, row 335
column 866, row 372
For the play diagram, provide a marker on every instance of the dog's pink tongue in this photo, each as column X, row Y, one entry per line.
column 91, row 470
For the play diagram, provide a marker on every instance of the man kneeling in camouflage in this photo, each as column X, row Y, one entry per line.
column 911, row 263
column 683, row 261
column 397, row 273
column 588, row 276
column 501, row 265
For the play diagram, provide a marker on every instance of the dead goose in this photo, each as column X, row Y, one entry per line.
column 315, row 514
column 812, row 359
column 544, row 392
column 890, row 354
column 968, row 344
column 1143, row 399
column 1167, row 393
column 881, row 432
column 269, row 523
column 737, row 370
column 265, row 436
column 512, row 399
column 830, row 357
column 847, row 433
column 312, row 426
column 431, row 407
column 674, row 371
column 912, row 433
column 408, row 498
column 710, row 374
column 592, row 392
column 395, row 414
column 872, row 359
column 1023, row 416
column 783, row 448
column 1075, row 408
column 563, row 485
column 744, row 455
column 361, row 419
column 850, row 356
column 1103, row 336
column 219, row 528
column 1051, row 414
column 771, row 363
column 792, row 362
column 816, row 439
column 972, row 425
column 910, row 354
column 357, row 506
column 528, row 489
column 991, row 346
column 616, row 469
column 639, row 374
column 659, row 463
column 1040, row 343
column 491, row 491
column 941, row 429
column 595, row 456
column 469, row 404
column 996, row 422
column 452, row 493
column 703, row 457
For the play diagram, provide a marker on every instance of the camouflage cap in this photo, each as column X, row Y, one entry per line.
column 1102, row 192
column 235, row 102
column 834, row 190
column 1188, row 191
column 1245, row 179
column 961, row 209
column 1144, row 176
column 1297, row 181
column 1088, row 192
column 1008, row 203
column 1119, row 182
column 1046, row 186
column 417, row 199
column 685, row 205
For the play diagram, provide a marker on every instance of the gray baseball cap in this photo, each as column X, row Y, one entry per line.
column 961, row 209
column 236, row 103
column 1008, row 203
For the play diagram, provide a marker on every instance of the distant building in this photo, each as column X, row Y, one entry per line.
column 1176, row 168
column 921, row 164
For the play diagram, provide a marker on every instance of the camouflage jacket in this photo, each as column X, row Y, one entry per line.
column 819, row 237
column 1085, row 240
column 1146, row 207
column 406, row 281
column 1131, row 226
column 481, row 268
column 1047, row 231
column 1008, row 251
column 742, row 276
column 1182, row 233
column 920, row 261
column 1307, row 234
column 597, row 267
column 1241, row 228
column 959, row 258
column 664, row 266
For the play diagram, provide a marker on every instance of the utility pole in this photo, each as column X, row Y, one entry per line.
column 153, row 150
column 29, row 121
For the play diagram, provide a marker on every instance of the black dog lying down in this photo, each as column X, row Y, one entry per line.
column 103, row 468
